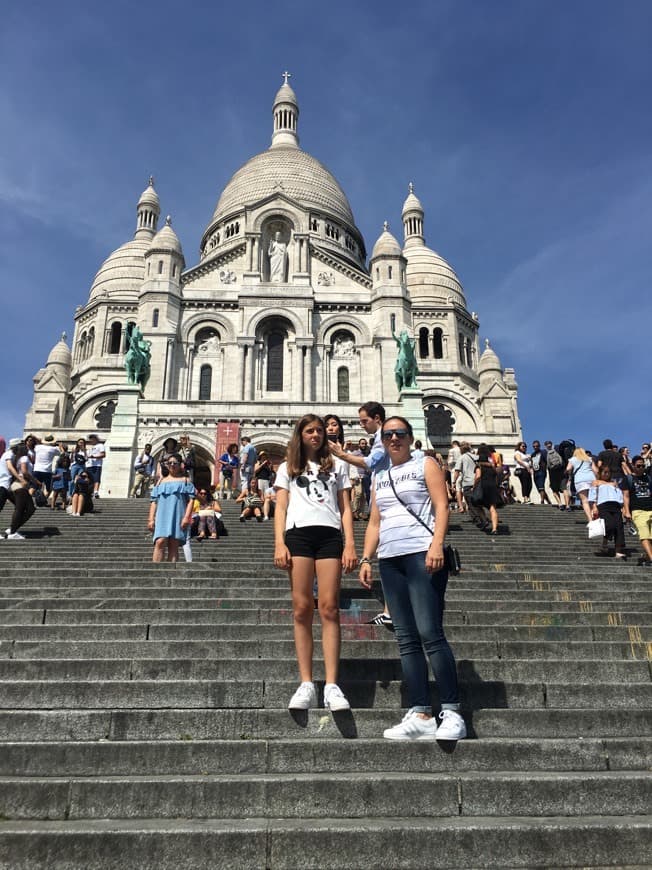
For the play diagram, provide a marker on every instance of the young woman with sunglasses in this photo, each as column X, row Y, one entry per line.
column 170, row 511
column 410, row 545
column 312, row 510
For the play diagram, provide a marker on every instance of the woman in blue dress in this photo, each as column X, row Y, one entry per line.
column 170, row 511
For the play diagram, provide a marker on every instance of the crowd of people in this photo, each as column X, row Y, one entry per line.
column 325, row 484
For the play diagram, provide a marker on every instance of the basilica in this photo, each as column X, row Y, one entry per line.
column 285, row 313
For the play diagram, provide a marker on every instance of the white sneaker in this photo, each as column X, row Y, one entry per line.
column 412, row 727
column 304, row 697
column 452, row 726
column 16, row 536
column 334, row 698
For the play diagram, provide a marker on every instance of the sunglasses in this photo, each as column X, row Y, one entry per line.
column 639, row 465
column 173, row 464
column 388, row 433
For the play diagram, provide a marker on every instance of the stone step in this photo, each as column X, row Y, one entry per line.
column 472, row 671
column 274, row 694
column 188, row 757
column 328, row 844
column 220, row 724
column 331, row 795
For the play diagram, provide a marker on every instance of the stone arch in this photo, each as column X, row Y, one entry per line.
column 330, row 325
column 454, row 400
column 280, row 210
column 296, row 325
column 275, row 222
column 193, row 324
column 83, row 414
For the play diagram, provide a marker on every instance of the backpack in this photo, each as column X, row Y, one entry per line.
column 566, row 449
column 554, row 459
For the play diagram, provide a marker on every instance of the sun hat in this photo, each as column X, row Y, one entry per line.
column 49, row 437
column 14, row 442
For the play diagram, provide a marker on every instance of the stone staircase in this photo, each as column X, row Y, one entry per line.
column 143, row 718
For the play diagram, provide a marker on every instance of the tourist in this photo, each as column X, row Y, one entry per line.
column 30, row 444
column 170, row 448
column 486, row 474
column 556, row 471
column 171, row 510
column 523, row 470
column 207, row 510
column 60, row 476
column 229, row 464
column 143, row 471
column 611, row 458
column 96, row 454
column 371, row 416
column 312, row 510
column 464, row 478
column 82, row 495
column 263, row 472
column 252, row 503
column 580, row 471
column 646, row 454
column 248, row 457
column 14, row 487
column 44, row 455
column 187, row 453
column 606, row 498
column 637, row 493
column 625, row 461
column 407, row 526
column 78, row 463
column 538, row 458
column 269, row 503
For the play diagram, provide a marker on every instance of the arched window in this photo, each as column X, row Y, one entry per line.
column 91, row 342
column 389, row 272
column 437, row 343
column 115, row 337
column 423, row 342
column 155, row 317
column 461, row 349
column 342, row 384
column 160, row 267
column 469, row 353
column 81, row 347
column 275, row 342
column 205, row 378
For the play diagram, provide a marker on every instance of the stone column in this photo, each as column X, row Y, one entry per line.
column 169, row 370
column 117, row 468
column 307, row 373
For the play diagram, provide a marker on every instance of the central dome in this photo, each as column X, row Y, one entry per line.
column 286, row 170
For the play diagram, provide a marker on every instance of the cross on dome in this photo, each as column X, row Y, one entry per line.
column 151, row 181
column 411, row 187
column 385, row 226
column 286, row 75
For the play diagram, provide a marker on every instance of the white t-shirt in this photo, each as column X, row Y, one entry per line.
column 400, row 532
column 43, row 456
column 6, row 477
column 94, row 455
column 313, row 494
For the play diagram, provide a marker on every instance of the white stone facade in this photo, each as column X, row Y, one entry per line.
column 282, row 315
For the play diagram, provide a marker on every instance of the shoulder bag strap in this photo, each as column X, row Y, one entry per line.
column 408, row 509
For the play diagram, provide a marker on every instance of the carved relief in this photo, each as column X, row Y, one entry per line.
column 326, row 279
column 227, row 276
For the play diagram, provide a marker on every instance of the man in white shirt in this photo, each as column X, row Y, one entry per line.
column 94, row 455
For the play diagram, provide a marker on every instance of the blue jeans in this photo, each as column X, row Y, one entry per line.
column 415, row 598
column 74, row 471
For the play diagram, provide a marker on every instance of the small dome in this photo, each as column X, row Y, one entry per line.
column 386, row 246
column 122, row 271
column 412, row 202
column 60, row 354
column 429, row 276
column 489, row 361
column 166, row 239
column 149, row 196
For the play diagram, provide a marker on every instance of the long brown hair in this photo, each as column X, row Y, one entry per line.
column 296, row 457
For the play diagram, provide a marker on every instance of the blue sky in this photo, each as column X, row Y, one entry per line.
column 525, row 127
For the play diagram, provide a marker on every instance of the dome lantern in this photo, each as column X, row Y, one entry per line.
column 412, row 220
column 148, row 211
column 286, row 116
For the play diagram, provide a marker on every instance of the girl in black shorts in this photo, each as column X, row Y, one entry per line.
column 312, row 509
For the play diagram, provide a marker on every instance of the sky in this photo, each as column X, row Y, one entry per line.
column 524, row 125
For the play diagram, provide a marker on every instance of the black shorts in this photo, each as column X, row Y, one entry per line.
column 315, row 542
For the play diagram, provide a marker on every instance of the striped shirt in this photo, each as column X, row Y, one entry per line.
column 400, row 532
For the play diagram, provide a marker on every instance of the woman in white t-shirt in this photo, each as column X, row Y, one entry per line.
column 410, row 545
column 523, row 470
column 312, row 509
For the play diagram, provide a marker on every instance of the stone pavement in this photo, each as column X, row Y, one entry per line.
column 143, row 718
